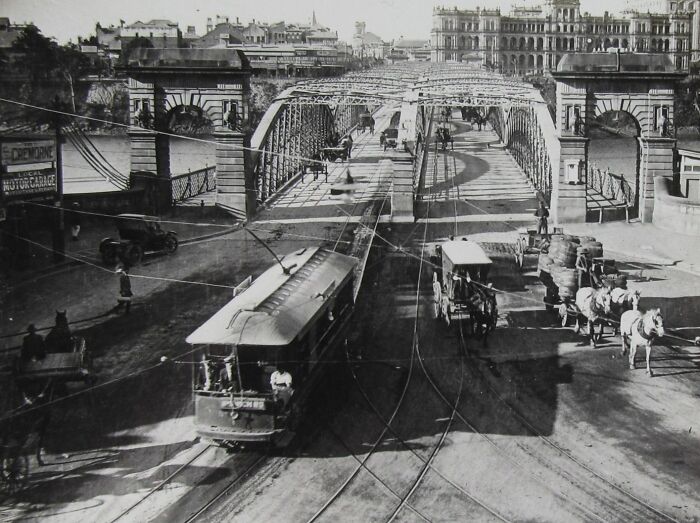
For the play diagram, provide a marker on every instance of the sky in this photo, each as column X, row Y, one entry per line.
column 390, row 19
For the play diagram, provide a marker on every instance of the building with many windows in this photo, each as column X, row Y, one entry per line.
column 532, row 40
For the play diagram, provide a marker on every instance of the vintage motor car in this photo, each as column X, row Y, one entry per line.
column 138, row 234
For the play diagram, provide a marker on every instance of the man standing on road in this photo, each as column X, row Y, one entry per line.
column 542, row 214
column 371, row 125
column 125, row 294
column 75, row 220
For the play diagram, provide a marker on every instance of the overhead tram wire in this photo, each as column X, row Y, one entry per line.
column 164, row 133
column 129, row 375
column 362, row 464
column 454, row 407
column 399, row 248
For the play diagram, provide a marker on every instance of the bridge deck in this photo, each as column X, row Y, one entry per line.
column 311, row 199
column 478, row 178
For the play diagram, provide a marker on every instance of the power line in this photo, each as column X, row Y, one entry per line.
column 164, row 133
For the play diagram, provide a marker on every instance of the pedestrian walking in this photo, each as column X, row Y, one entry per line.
column 75, row 221
column 542, row 214
column 32, row 345
column 125, row 294
column 371, row 125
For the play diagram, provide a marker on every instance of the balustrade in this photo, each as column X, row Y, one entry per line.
column 193, row 183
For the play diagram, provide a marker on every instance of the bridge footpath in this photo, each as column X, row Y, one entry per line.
column 310, row 199
column 478, row 180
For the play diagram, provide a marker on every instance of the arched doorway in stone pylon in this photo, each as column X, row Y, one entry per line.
column 189, row 120
column 614, row 157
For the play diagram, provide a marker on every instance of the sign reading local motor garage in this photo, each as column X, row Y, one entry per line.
column 21, row 153
column 29, row 182
column 16, row 180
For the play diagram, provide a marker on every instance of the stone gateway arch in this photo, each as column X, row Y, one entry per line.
column 200, row 87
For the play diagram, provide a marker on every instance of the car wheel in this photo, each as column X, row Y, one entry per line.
column 170, row 243
column 133, row 254
column 109, row 255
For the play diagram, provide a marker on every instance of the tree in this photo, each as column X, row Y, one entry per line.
column 139, row 42
column 34, row 55
column 71, row 64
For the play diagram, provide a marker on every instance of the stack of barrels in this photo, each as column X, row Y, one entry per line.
column 557, row 265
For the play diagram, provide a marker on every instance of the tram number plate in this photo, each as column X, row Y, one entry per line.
column 249, row 403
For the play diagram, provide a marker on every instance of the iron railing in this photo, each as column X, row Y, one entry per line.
column 615, row 188
column 193, row 183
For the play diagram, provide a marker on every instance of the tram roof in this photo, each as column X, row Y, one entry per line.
column 462, row 252
column 277, row 307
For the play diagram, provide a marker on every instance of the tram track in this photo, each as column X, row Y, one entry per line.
column 427, row 463
column 257, row 460
column 464, row 357
column 471, row 426
column 562, row 472
column 162, row 483
column 655, row 512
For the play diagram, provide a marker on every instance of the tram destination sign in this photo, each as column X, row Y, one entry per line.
column 37, row 181
column 21, row 153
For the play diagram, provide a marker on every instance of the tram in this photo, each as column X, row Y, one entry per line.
column 259, row 358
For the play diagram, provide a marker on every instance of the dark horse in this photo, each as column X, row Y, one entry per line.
column 60, row 337
column 484, row 312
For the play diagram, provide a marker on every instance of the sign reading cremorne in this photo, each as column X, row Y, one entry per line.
column 20, row 153
column 29, row 182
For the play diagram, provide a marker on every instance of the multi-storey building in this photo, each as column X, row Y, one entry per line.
column 368, row 45
column 534, row 39
column 278, row 32
column 163, row 34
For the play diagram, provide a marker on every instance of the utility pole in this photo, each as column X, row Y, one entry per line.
column 59, row 238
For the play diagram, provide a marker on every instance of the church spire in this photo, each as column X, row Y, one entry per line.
column 313, row 18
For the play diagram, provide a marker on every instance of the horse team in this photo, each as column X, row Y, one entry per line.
column 619, row 309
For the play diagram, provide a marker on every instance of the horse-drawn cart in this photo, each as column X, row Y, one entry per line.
column 444, row 137
column 59, row 367
column 529, row 242
column 460, row 287
column 315, row 166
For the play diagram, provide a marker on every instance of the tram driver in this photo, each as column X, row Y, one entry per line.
column 281, row 384
column 227, row 374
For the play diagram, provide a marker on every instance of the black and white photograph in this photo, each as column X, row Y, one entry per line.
column 368, row 262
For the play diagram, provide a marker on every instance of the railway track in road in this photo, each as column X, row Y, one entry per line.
column 257, row 459
column 647, row 510
column 426, row 463
column 162, row 484
column 251, row 461
column 590, row 514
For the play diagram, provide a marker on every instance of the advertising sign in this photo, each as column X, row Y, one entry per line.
column 20, row 153
column 37, row 181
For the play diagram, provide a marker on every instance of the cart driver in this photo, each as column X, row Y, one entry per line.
column 461, row 290
column 281, row 384
column 32, row 345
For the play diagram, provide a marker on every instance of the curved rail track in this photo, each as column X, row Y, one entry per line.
column 427, row 463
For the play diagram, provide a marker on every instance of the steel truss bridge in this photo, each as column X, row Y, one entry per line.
column 298, row 124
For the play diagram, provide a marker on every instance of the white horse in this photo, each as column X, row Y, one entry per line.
column 641, row 329
column 622, row 300
column 592, row 304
